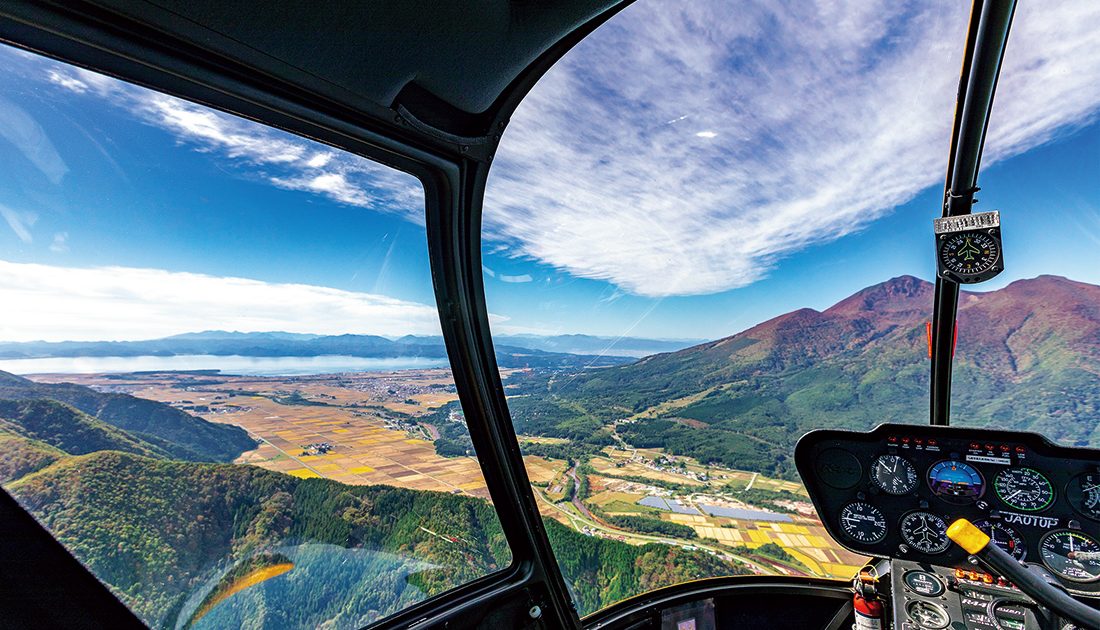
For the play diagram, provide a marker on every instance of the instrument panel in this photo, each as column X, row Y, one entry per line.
column 892, row 492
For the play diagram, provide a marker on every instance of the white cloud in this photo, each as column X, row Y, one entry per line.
column 68, row 82
column 60, row 243
column 20, row 222
column 820, row 117
column 123, row 303
column 280, row 158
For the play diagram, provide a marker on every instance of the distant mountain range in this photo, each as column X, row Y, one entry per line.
column 562, row 351
column 1028, row 358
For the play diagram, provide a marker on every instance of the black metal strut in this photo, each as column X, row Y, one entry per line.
column 985, row 45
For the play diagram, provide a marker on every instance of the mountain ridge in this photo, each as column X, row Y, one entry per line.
column 162, row 428
column 1028, row 358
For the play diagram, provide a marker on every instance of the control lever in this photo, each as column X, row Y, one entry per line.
column 976, row 543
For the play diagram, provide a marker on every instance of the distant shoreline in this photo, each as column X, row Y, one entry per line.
column 224, row 365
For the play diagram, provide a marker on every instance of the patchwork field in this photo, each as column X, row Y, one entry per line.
column 363, row 418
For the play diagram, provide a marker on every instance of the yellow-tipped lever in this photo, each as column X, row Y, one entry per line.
column 976, row 543
column 967, row 536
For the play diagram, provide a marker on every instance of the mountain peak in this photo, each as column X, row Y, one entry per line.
column 903, row 293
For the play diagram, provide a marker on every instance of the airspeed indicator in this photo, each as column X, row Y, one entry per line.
column 1024, row 489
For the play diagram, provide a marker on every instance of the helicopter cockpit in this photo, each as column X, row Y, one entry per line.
column 600, row 314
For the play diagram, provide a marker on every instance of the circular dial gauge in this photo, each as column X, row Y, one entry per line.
column 1071, row 555
column 927, row 614
column 1084, row 494
column 955, row 482
column 969, row 252
column 925, row 532
column 1024, row 489
column 894, row 475
column 863, row 522
column 1004, row 536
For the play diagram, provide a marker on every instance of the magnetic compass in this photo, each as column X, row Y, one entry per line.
column 968, row 247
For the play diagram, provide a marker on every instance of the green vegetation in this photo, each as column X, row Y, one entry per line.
column 774, row 552
column 600, row 572
column 21, row 456
column 295, row 398
column 154, row 530
column 644, row 525
column 68, row 429
column 767, row 498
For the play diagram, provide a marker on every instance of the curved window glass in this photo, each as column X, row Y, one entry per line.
column 222, row 384
column 1029, row 341
column 724, row 214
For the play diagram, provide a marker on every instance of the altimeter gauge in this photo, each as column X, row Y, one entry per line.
column 1024, row 489
column 894, row 475
column 863, row 522
column 1083, row 494
column 925, row 532
column 1071, row 555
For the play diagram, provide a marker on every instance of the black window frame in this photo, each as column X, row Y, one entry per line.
column 453, row 177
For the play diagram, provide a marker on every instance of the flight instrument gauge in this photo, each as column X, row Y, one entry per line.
column 863, row 522
column 1071, row 555
column 894, row 475
column 1024, row 489
column 1084, row 494
column 970, row 253
column 925, row 532
column 968, row 247
column 955, row 482
column 1004, row 536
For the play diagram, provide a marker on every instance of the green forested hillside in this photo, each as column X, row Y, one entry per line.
column 599, row 571
column 21, row 456
column 1028, row 358
column 175, row 432
column 69, row 429
column 154, row 530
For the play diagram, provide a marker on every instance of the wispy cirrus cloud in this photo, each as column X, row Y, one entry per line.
column 56, row 303
column 280, row 158
column 687, row 149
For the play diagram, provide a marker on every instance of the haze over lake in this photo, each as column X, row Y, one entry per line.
column 249, row 366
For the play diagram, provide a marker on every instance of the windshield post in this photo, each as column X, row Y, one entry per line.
column 985, row 46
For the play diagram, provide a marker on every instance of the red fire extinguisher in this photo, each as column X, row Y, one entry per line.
column 866, row 605
column 868, row 613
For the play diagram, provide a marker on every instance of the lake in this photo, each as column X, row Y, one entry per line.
column 247, row 366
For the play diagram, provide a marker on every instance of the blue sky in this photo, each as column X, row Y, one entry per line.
column 684, row 173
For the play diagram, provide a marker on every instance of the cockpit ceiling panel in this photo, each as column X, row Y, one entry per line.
column 464, row 53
